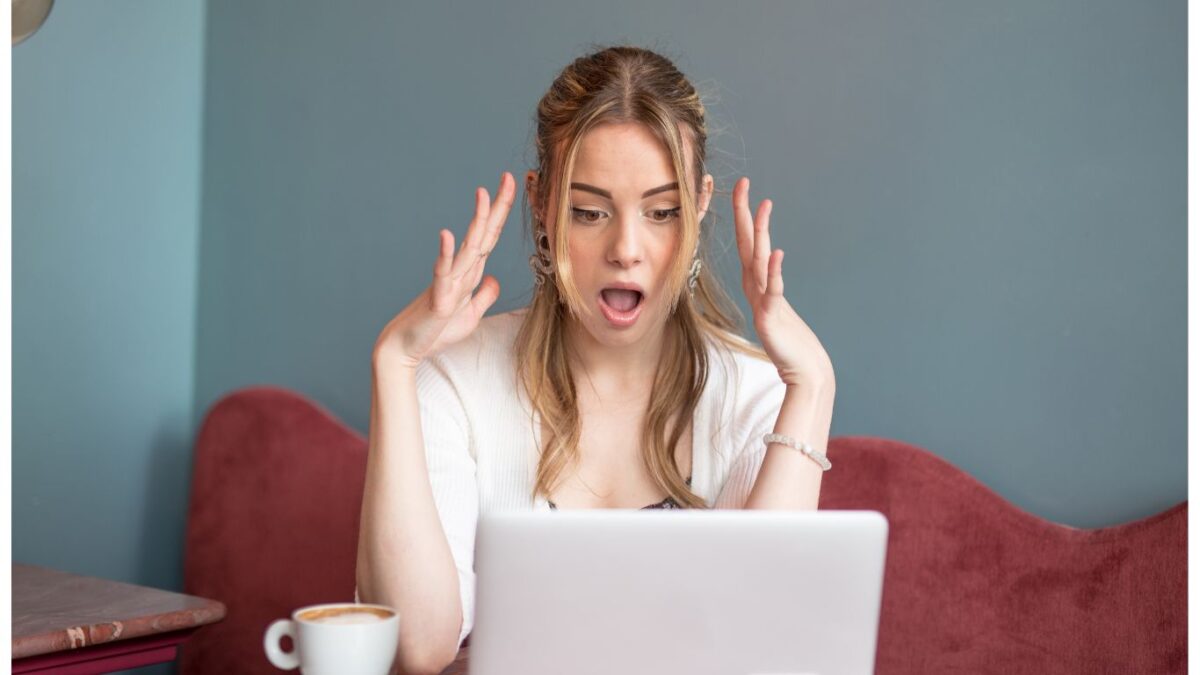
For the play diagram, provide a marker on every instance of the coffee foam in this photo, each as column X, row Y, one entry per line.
column 345, row 615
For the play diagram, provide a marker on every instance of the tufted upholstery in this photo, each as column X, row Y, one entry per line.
column 972, row 583
column 272, row 522
column 975, row 585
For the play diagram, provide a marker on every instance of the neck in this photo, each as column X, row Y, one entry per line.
column 615, row 369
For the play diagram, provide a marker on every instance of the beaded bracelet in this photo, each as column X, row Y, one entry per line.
column 817, row 456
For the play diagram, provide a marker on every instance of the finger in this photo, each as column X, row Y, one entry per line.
column 775, row 277
column 505, row 195
column 441, row 266
column 473, row 274
column 762, row 244
column 443, row 283
column 469, row 251
column 742, row 223
column 464, row 284
column 489, row 290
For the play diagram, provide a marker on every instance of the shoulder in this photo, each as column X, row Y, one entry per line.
column 488, row 348
column 730, row 368
column 479, row 371
column 475, row 377
column 745, row 389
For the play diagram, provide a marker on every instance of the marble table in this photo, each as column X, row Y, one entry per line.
column 76, row 625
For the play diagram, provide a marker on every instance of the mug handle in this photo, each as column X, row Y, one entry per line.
column 279, row 658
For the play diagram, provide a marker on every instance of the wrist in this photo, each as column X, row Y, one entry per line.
column 810, row 394
column 391, row 363
column 821, row 382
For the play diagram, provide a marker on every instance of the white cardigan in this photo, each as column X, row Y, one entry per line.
column 482, row 438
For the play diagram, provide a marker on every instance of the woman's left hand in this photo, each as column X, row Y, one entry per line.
column 791, row 344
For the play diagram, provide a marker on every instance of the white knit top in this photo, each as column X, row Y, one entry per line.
column 482, row 437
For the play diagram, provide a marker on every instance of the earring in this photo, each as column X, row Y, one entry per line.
column 539, row 262
column 694, row 275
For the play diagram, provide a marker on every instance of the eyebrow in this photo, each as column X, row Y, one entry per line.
column 608, row 195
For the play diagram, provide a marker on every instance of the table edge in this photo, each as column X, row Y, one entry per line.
column 108, row 632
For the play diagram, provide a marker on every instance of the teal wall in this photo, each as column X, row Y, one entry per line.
column 983, row 204
column 106, row 191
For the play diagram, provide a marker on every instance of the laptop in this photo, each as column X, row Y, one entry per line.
column 694, row 592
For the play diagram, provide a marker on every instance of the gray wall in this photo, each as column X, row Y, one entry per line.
column 106, row 191
column 983, row 205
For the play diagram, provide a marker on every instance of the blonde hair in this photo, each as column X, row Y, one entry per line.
column 615, row 85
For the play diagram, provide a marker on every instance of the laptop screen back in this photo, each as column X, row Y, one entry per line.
column 696, row 592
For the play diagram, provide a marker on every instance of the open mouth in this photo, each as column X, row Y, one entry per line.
column 621, row 306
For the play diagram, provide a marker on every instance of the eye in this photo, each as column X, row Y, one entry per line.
column 663, row 215
column 586, row 215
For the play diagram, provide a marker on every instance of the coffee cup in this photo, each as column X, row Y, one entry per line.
column 340, row 638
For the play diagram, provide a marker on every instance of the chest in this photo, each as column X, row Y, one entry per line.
column 610, row 471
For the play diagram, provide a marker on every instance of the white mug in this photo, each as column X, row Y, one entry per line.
column 341, row 638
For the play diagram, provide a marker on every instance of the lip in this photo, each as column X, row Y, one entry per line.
column 618, row 318
column 625, row 286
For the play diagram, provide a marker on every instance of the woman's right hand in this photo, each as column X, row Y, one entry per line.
column 446, row 312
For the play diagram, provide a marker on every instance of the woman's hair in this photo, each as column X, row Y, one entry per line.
column 623, row 84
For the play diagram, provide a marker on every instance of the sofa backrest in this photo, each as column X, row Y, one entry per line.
column 272, row 520
column 972, row 583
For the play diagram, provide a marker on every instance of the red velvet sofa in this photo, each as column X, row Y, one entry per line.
column 972, row 584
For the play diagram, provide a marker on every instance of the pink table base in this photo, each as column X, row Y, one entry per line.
column 120, row 655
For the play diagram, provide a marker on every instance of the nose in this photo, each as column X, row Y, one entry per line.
column 626, row 247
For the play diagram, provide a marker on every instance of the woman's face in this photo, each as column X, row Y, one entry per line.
column 626, row 226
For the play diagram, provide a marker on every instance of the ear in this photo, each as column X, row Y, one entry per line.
column 531, row 187
column 706, row 193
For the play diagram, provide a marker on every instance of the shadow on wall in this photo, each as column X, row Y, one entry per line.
column 165, row 509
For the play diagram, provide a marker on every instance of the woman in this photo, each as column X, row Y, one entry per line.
column 623, row 384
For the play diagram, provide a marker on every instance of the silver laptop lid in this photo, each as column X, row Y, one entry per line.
column 682, row 591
